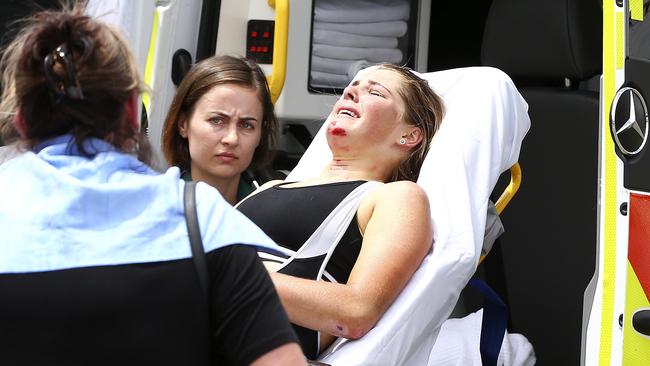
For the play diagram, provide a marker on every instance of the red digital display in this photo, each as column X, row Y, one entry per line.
column 259, row 42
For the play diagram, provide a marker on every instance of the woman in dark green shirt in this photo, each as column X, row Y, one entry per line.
column 220, row 123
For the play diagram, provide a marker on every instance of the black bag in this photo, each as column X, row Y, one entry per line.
column 192, row 222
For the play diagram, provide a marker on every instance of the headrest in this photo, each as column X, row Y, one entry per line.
column 552, row 38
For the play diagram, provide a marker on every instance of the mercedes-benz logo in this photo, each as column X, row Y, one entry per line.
column 629, row 121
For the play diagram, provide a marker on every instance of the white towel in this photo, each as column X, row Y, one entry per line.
column 459, row 340
column 391, row 28
column 391, row 55
column 334, row 66
column 346, row 11
column 334, row 38
column 328, row 80
column 357, row 66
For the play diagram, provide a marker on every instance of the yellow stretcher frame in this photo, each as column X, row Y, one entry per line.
column 511, row 189
column 507, row 195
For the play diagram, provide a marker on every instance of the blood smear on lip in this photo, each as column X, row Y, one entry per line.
column 338, row 132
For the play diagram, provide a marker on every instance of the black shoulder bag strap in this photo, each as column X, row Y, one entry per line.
column 191, row 219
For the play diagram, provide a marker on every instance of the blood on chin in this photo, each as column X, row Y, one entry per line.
column 337, row 131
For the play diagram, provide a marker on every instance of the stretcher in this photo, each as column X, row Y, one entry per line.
column 480, row 137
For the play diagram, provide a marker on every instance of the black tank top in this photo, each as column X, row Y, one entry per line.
column 289, row 216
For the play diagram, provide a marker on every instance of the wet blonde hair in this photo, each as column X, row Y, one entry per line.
column 423, row 109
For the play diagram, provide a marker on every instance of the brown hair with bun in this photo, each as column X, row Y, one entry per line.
column 68, row 73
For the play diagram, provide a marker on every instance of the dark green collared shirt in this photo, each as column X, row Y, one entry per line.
column 243, row 190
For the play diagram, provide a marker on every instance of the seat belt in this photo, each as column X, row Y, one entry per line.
column 493, row 325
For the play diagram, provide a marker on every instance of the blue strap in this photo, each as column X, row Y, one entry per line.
column 493, row 326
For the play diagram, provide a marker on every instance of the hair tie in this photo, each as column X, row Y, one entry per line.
column 67, row 85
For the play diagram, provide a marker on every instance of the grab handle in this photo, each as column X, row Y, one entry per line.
column 511, row 189
column 280, row 44
column 641, row 321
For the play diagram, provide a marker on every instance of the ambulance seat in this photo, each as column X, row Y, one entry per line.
column 551, row 49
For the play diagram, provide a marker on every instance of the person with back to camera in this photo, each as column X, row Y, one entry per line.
column 379, row 132
column 95, row 261
column 220, row 121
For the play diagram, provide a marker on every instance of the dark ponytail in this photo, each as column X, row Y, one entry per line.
column 69, row 73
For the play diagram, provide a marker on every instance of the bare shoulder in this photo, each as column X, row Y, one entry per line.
column 401, row 190
column 396, row 200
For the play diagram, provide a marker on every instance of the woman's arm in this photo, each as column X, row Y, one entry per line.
column 396, row 224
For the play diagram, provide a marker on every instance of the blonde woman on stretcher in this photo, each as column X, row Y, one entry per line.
column 379, row 132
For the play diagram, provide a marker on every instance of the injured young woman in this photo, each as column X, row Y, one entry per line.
column 355, row 234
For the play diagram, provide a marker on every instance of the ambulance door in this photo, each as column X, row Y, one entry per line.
column 172, row 42
column 629, row 129
column 619, row 326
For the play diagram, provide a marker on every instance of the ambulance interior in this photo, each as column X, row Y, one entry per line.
column 542, row 264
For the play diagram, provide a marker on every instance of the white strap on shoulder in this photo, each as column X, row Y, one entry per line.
column 327, row 236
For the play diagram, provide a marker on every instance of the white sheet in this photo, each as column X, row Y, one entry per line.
column 359, row 11
column 458, row 344
column 334, row 66
column 328, row 80
column 394, row 28
column 480, row 138
column 374, row 54
column 336, row 38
